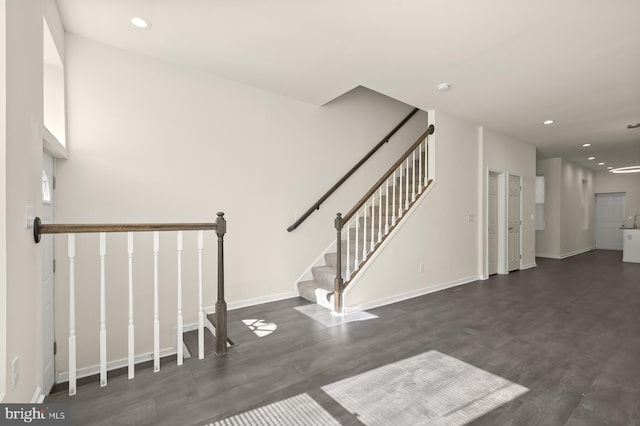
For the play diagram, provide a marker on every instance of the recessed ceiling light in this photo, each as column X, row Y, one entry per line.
column 633, row 126
column 591, row 158
column 586, row 144
column 443, row 87
column 140, row 22
column 548, row 122
column 609, row 168
column 600, row 164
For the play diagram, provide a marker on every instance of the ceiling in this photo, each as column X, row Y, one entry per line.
column 511, row 64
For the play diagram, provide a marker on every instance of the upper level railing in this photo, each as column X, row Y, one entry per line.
column 220, row 228
column 316, row 205
column 367, row 224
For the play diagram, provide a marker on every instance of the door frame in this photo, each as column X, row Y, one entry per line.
column 48, row 326
column 503, row 219
column 506, row 223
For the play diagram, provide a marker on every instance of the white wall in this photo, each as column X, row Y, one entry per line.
column 3, row 202
column 629, row 183
column 438, row 233
column 23, row 169
column 504, row 154
column 54, row 106
column 567, row 231
column 155, row 142
column 576, row 236
column 548, row 240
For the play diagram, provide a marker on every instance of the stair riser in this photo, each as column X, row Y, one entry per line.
column 307, row 289
column 325, row 276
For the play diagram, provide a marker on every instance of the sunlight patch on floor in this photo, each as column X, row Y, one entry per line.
column 428, row 389
column 329, row 319
column 298, row 410
column 260, row 327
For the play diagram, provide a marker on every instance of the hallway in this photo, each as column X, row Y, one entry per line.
column 566, row 331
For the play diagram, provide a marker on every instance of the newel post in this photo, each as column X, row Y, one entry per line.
column 221, row 305
column 338, row 283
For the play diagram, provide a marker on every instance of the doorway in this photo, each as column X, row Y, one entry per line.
column 514, row 223
column 610, row 217
column 48, row 270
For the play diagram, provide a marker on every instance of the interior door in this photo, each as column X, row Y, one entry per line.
column 47, row 275
column 514, row 222
column 610, row 214
column 492, row 226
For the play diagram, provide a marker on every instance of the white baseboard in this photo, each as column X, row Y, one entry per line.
column 548, row 256
column 410, row 294
column 576, row 252
column 112, row 365
column 565, row 255
column 528, row 266
column 38, row 396
column 251, row 302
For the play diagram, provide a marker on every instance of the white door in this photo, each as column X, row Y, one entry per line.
column 47, row 276
column 610, row 213
column 492, row 228
column 514, row 223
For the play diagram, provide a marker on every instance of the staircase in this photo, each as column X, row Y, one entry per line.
column 368, row 224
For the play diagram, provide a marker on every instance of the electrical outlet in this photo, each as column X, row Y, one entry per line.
column 15, row 372
column 470, row 218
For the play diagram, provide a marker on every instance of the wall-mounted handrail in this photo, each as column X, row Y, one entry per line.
column 220, row 228
column 386, row 176
column 316, row 205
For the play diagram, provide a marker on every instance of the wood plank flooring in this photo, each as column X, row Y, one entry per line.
column 568, row 330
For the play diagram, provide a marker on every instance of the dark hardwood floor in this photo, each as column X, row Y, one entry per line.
column 568, row 330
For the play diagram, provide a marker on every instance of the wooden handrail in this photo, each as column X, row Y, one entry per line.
column 40, row 228
column 316, row 205
column 386, row 176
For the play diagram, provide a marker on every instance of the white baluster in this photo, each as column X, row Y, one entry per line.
column 179, row 336
column 200, row 309
column 420, row 187
column 156, row 316
column 347, row 273
column 386, row 209
column 406, row 198
column 355, row 261
column 364, row 232
column 393, row 200
column 103, row 314
column 400, row 210
column 373, row 220
column 131, row 328
column 426, row 162
column 380, row 215
column 71, row 251
column 413, row 165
